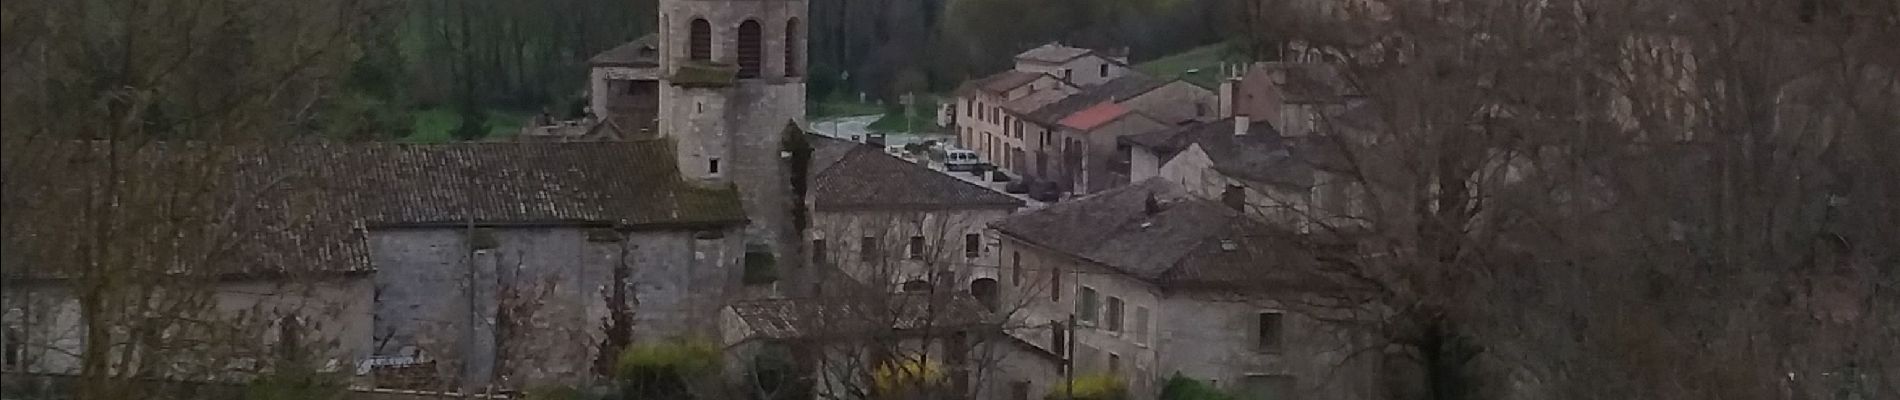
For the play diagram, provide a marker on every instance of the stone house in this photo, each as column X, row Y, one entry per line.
column 891, row 223
column 1062, row 154
column 1290, row 182
column 1097, row 130
column 1296, row 98
column 481, row 263
column 983, row 124
column 623, row 86
column 1082, row 67
column 1158, row 282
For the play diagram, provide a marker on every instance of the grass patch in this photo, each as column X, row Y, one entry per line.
column 923, row 118
column 1200, row 65
column 437, row 125
column 835, row 108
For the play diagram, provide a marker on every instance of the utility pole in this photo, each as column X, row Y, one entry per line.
column 1068, row 359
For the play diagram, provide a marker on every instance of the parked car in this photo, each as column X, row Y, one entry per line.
column 961, row 160
column 1046, row 192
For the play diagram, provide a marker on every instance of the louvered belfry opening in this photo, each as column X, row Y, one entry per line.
column 791, row 47
column 701, row 40
column 751, row 49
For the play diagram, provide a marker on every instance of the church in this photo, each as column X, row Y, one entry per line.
column 463, row 266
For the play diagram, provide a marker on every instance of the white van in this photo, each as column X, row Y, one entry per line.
column 960, row 160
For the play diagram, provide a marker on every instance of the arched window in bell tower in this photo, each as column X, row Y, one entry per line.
column 751, row 49
column 700, row 40
column 792, row 65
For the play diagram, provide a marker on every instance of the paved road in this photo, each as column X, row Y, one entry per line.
column 848, row 127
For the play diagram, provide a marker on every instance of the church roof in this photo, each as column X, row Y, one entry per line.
column 305, row 207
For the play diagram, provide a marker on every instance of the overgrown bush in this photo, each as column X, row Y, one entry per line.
column 666, row 370
column 1184, row 388
column 1092, row 387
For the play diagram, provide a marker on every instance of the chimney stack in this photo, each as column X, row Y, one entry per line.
column 1241, row 122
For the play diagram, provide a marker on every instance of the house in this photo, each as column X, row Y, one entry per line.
column 1287, row 181
column 1294, row 97
column 1065, row 155
column 896, row 224
column 1083, row 67
column 623, row 86
column 983, row 125
column 484, row 263
column 1159, row 281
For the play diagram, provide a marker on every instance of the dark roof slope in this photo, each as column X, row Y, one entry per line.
column 641, row 52
column 1183, row 242
column 864, row 177
column 1053, row 52
column 305, row 206
column 859, row 316
column 1006, row 80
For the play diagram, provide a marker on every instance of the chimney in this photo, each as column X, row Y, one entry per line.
column 1225, row 98
column 1241, row 122
column 1234, row 197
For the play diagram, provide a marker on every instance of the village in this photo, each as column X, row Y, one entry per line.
column 1068, row 227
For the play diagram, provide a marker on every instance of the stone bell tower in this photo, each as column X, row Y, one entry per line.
column 732, row 78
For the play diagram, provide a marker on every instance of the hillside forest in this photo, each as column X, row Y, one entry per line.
column 465, row 69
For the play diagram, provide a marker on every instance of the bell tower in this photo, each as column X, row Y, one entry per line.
column 732, row 78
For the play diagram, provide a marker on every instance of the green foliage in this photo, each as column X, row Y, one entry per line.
column 1092, row 387
column 922, row 117
column 555, row 392
column 666, row 370
column 433, row 125
column 1184, row 388
column 1204, row 61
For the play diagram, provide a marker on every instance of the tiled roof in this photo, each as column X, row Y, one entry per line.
column 1034, row 101
column 1114, row 90
column 851, row 176
column 1260, row 156
column 305, row 206
column 1093, row 117
column 1182, row 241
column 641, row 52
column 833, row 317
column 1006, row 80
column 1052, row 53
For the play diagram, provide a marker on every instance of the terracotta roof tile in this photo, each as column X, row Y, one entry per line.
column 1093, row 117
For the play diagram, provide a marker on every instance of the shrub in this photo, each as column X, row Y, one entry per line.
column 666, row 370
column 1184, row 388
column 910, row 374
column 1092, row 387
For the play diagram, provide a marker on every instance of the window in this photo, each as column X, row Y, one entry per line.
column 15, row 349
column 1114, row 363
column 290, row 337
column 1105, row 70
column 1268, row 334
column 791, row 47
column 1113, row 318
column 1065, row 74
column 1019, row 390
column 916, row 286
column 1015, row 268
column 751, row 47
column 818, row 251
column 1140, row 328
column 917, row 247
column 1086, row 306
column 700, row 40
column 712, row 166
column 1055, row 285
column 867, row 250
column 1056, row 336
column 972, row 245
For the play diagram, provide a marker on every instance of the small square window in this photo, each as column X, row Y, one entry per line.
column 1270, row 332
column 867, row 250
column 712, row 166
column 972, row 245
column 818, row 251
